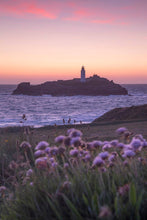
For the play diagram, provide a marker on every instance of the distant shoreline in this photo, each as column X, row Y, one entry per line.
column 114, row 116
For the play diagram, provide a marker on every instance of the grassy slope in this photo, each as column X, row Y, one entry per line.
column 90, row 190
column 100, row 131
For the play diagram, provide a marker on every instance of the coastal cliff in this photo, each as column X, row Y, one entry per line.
column 124, row 114
column 92, row 87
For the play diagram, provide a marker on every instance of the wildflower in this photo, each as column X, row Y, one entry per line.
column 52, row 160
column 105, row 212
column 140, row 159
column 39, row 153
column 60, row 139
column 26, row 179
column 75, row 133
column 125, row 163
column 20, row 158
column 70, row 130
column 87, row 157
column 114, row 153
column 54, row 164
column 54, row 151
column 128, row 147
column 96, row 144
column 105, row 142
column 121, row 130
column 41, row 163
column 128, row 153
column 120, row 145
column 31, row 184
column 83, row 144
column 97, row 162
column 136, row 143
column 90, row 146
column 66, row 185
column 13, row 165
column 76, row 141
column 61, row 149
column 24, row 165
column 106, row 147
column 29, row 173
column 85, row 152
column 123, row 189
column 112, row 158
column 140, row 137
column 2, row 189
column 127, row 134
column 41, row 145
column 47, row 150
column 67, row 141
column 104, row 155
column 111, row 164
column 25, row 145
column 66, row 165
column 74, row 153
column 114, row 143
column 144, row 144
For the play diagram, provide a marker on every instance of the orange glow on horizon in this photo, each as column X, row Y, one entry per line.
column 50, row 40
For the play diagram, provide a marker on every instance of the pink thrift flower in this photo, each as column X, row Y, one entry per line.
column 41, row 145
column 104, row 155
column 128, row 153
column 97, row 161
column 29, row 173
column 74, row 153
column 39, row 153
column 25, row 145
column 136, row 143
column 60, row 139
column 121, row 130
column 41, row 163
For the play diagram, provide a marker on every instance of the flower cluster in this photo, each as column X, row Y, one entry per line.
column 71, row 150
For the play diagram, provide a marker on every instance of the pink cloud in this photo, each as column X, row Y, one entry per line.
column 26, row 8
column 73, row 10
column 33, row 9
column 79, row 14
column 109, row 21
column 83, row 13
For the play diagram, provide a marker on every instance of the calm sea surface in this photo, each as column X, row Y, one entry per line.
column 48, row 110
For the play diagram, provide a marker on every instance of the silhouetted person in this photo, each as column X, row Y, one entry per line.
column 69, row 120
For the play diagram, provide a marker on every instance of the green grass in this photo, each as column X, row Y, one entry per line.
column 81, row 191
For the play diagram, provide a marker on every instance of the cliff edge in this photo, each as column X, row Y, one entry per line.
column 124, row 114
column 92, row 87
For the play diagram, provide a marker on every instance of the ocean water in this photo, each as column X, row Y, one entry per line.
column 48, row 110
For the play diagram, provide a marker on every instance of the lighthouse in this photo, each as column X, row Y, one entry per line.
column 83, row 74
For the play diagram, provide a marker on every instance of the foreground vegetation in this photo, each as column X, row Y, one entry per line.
column 73, row 176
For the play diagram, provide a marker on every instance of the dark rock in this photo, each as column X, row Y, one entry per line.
column 93, row 86
column 124, row 114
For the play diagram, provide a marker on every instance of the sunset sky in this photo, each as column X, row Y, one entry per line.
column 42, row 40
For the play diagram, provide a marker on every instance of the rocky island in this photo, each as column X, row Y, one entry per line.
column 92, row 86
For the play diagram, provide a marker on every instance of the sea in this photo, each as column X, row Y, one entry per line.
column 47, row 110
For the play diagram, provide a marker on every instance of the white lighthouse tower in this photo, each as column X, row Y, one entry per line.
column 83, row 74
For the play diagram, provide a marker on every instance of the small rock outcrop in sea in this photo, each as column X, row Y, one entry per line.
column 124, row 114
column 93, row 86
